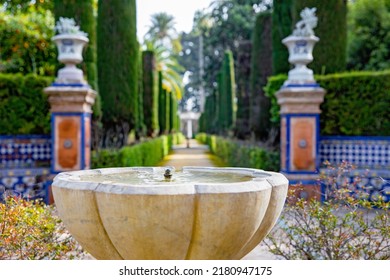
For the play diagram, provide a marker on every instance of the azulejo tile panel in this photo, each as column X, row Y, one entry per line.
column 27, row 183
column 371, row 153
column 373, row 184
column 27, row 151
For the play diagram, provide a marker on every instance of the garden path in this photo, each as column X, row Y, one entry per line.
column 196, row 155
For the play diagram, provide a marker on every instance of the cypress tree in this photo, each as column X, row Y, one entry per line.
column 167, row 111
column 150, row 93
column 261, row 69
column 221, row 112
column 281, row 28
column 330, row 53
column 173, row 113
column 118, row 66
column 226, row 94
column 243, row 71
column 229, row 90
column 141, row 128
column 162, row 108
column 210, row 113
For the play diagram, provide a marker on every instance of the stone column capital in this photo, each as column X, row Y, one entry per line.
column 70, row 99
column 300, row 100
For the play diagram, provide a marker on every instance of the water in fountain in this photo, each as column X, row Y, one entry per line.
column 157, row 177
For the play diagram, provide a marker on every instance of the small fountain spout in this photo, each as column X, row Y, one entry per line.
column 168, row 174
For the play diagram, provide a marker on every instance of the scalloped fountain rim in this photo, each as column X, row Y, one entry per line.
column 260, row 180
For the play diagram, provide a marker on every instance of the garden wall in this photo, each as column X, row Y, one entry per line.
column 25, row 165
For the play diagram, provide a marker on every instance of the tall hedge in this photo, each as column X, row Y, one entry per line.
column 356, row 104
column 227, row 104
column 281, row 28
column 24, row 108
column 140, row 125
column 164, row 103
column 261, row 69
column 243, row 70
column 150, row 93
column 209, row 116
column 221, row 103
column 118, row 63
column 330, row 53
column 173, row 108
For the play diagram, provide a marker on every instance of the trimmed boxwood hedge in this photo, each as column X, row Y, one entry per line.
column 148, row 153
column 356, row 103
column 240, row 154
column 24, row 108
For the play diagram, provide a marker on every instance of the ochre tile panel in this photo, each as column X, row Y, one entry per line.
column 302, row 144
column 68, row 138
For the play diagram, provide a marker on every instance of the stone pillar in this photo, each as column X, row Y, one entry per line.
column 70, row 98
column 71, row 126
column 300, row 99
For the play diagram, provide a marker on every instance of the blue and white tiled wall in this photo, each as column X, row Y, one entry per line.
column 370, row 157
column 25, row 165
column 363, row 152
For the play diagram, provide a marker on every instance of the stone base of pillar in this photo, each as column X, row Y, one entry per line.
column 300, row 109
column 71, row 111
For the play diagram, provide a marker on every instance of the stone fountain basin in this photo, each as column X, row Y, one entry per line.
column 170, row 220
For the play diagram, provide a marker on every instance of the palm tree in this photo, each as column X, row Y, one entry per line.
column 169, row 67
column 162, row 31
column 163, row 40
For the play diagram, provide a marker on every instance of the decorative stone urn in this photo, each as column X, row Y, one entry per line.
column 300, row 47
column 146, row 213
column 70, row 43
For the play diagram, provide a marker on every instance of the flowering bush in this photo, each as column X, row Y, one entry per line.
column 31, row 230
column 346, row 226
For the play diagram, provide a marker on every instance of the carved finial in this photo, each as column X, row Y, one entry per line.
column 305, row 27
column 68, row 26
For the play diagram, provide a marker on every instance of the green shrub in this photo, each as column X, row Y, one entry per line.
column 24, row 108
column 31, row 230
column 25, row 41
column 346, row 226
column 241, row 154
column 356, row 103
column 148, row 153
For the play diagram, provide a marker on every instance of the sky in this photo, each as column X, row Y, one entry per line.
column 182, row 10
